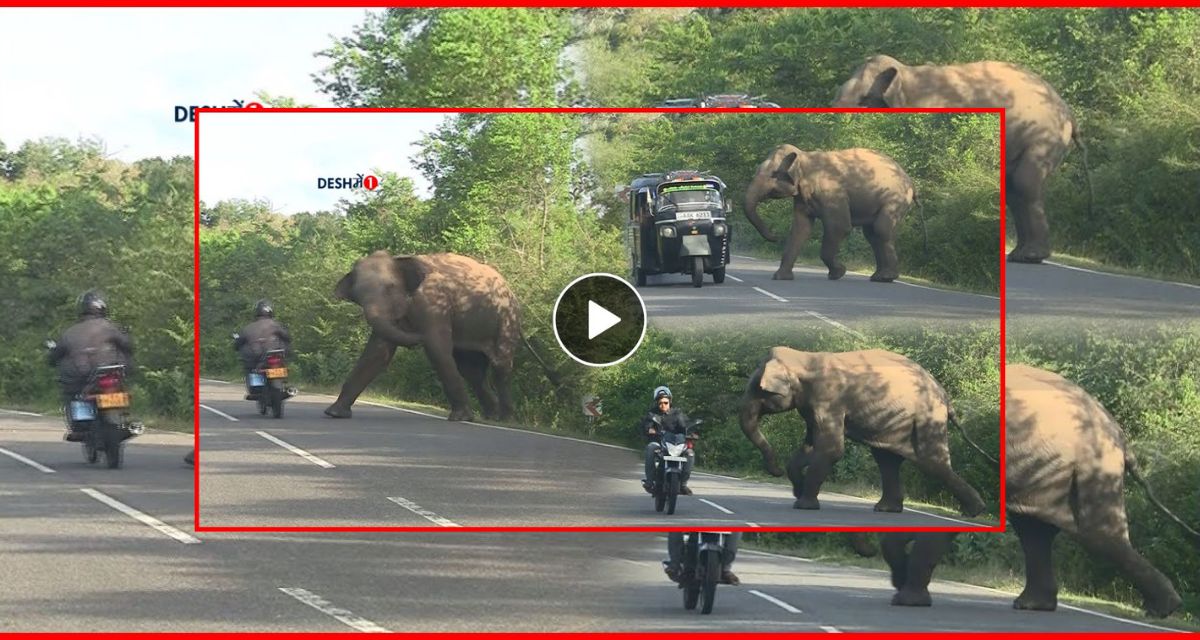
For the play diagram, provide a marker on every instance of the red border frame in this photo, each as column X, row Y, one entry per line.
column 196, row 320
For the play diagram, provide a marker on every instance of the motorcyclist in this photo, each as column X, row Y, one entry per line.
column 258, row 337
column 674, row 563
column 91, row 342
column 670, row 420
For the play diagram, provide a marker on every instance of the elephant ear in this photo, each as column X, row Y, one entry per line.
column 886, row 91
column 411, row 271
column 776, row 378
column 345, row 288
column 787, row 169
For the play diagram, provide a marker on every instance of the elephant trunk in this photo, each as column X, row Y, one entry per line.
column 749, row 420
column 754, row 195
column 385, row 326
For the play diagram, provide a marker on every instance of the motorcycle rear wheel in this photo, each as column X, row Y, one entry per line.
column 276, row 392
column 672, row 491
column 712, row 575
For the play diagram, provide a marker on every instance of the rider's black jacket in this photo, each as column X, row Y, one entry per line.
column 673, row 421
column 261, row 336
column 92, row 342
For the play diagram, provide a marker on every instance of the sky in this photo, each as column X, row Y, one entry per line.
column 117, row 74
column 280, row 157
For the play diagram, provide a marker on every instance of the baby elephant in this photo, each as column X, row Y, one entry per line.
column 1065, row 471
column 879, row 398
column 845, row 189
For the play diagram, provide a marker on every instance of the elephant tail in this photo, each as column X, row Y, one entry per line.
column 921, row 210
column 551, row 373
column 1087, row 171
column 954, row 421
column 1132, row 468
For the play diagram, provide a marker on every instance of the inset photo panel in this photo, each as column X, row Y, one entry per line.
column 779, row 320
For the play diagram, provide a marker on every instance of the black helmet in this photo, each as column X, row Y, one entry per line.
column 92, row 304
column 262, row 309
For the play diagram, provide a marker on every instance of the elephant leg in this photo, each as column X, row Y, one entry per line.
column 1104, row 532
column 932, row 456
column 1037, row 539
column 889, row 471
column 881, row 234
column 927, row 550
column 894, row 545
column 502, row 377
column 801, row 231
column 473, row 365
column 795, row 470
column 439, row 348
column 828, row 447
column 1026, row 199
column 836, row 223
column 376, row 356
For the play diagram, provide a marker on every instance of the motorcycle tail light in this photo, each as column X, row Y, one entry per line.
column 274, row 361
column 108, row 382
column 691, row 445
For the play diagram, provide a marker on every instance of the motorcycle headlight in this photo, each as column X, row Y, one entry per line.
column 667, row 231
column 676, row 449
column 719, row 229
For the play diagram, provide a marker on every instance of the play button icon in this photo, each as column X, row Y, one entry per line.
column 599, row 320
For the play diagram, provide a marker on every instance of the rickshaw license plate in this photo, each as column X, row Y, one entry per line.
column 693, row 215
column 112, row 400
column 277, row 372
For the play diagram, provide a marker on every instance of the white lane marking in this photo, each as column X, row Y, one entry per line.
column 341, row 615
column 492, row 426
column 716, row 506
column 22, row 413
column 1120, row 275
column 744, row 257
column 219, row 412
column 753, row 524
column 816, row 315
column 734, row 278
column 296, row 450
column 969, row 293
column 214, row 381
column 769, row 294
column 828, row 629
column 776, row 601
column 424, row 513
column 145, row 519
column 837, row 324
column 20, row 458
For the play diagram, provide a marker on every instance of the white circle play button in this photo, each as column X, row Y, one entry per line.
column 599, row 319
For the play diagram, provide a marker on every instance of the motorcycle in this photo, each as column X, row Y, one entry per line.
column 99, row 414
column 668, row 464
column 702, row 560
column 267, row 382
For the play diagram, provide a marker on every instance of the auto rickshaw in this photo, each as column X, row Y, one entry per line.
column 677, row 225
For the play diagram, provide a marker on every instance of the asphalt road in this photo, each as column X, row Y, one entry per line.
column 76, row 560
column 1053, row 293
column 854, row 304
column 390, row 467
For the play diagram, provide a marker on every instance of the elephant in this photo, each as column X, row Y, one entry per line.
column 1039, row 126
column 460, row 311
column 876, row 397
column 845, row 189
column 1066, row 459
